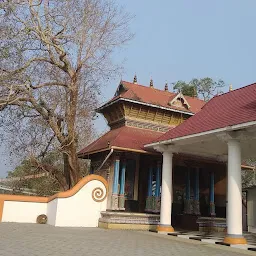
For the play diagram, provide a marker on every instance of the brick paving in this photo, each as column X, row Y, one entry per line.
column 33, row 240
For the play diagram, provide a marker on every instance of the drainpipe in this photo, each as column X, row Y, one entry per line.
column 107, row 157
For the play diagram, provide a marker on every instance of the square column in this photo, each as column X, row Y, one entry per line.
column 165, row 225
column 122, row 185
column 188, row 204
column 234, row 211
column 196, row 207
column 114, row 200
column 158, row 182
column 149, row 195
column 212, row 204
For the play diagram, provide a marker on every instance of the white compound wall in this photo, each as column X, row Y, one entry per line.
column 78, row 207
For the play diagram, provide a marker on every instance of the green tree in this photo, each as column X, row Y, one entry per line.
column 207, row 87
column 41, row 186
column 204, row 88
column 36, row 178
column 186, row 88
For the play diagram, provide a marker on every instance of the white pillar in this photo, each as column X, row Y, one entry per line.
column 234, row 211
column 165, row 225
column 227, row 197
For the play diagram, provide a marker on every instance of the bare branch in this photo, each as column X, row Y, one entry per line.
column 49, row 84
column 55, row 55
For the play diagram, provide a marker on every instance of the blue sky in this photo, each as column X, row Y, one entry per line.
column 181, row 40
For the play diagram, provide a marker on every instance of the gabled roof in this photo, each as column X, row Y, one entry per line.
column 126, row 137
column 159, row 98
column 232, row 108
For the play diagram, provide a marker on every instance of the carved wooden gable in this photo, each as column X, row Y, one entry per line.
column 179, row 101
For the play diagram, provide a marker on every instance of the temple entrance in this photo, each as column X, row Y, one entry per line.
column 149, row 184
column 197, row 191
column 143, row 182
column 131, row 205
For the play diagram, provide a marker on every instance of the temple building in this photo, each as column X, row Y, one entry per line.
column 138, row 115
column 169, row 164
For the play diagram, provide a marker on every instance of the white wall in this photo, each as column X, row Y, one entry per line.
column 81, row 210
column 52, row 212
column 22, row 211
column 78, row 210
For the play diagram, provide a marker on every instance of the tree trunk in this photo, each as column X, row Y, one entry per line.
column 73, row 167
column 66, row 168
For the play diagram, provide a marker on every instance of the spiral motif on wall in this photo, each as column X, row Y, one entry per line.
column 98, row 194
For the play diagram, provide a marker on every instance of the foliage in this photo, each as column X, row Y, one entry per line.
column 43, row 186
column 204, row 88
column 249, row 176
column 55, row 55
column 185, row 88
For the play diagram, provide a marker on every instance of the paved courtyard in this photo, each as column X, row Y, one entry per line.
column 33, row 240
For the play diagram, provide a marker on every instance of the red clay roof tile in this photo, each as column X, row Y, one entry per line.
column 158, row 97
column 232, row 108
column 125, row 137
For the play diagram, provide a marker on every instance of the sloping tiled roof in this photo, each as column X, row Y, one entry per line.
column 232, row 108
column 154, row 96
column 125, row 137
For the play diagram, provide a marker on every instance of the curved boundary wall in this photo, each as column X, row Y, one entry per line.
column 77, row 207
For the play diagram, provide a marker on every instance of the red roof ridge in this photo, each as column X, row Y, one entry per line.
column 124, row 136
column 173, row 93
column 225, row 93
column 148, row 87
column 94, row 142
column 153, row 96
column 120, row 129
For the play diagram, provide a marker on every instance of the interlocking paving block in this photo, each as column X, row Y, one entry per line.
column 173, row 234
column 240, row 246
column 210, row 241
column 209, row 236
column 222, row 243
column 184, row 236
column 37, row 240
column 195, row 238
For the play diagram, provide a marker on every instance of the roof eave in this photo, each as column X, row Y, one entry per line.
column 109, row 103
column 224, row 129
column 142, row 103
column 83, row 155
column 135, row 150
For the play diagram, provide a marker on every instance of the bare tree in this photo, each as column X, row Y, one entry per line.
column 55, row 55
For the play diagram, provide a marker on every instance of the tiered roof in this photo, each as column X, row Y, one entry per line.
column 135, row 138
column 153, row 96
